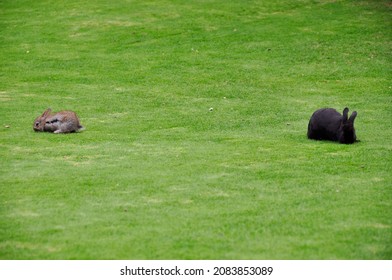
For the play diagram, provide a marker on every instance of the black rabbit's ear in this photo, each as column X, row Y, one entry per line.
column 353, row 116
column 345, row 114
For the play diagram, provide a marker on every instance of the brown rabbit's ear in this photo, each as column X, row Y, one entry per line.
column 47, row 112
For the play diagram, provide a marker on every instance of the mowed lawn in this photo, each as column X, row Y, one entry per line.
column 196, row 116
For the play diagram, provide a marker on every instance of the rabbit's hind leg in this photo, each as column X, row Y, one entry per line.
column 62, row 128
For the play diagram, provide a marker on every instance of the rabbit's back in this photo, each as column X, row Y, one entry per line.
column 67, row 121
column 67, row 116
column 324, row 124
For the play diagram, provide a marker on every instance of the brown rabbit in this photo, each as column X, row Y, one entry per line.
column 61, row 122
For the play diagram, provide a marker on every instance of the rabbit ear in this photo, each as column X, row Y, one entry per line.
column 345, row 114
column 353, row 116
column 47, row 112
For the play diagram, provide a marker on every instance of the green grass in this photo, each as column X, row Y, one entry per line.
column 156, row 174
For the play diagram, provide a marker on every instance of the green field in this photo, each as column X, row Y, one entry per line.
column 196, row 115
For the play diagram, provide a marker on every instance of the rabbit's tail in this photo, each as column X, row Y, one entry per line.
column 80, row 128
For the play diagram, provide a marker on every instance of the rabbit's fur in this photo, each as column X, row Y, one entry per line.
column 61, row 122
column 328, row 124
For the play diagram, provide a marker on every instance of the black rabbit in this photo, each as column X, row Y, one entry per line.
column 328, row 124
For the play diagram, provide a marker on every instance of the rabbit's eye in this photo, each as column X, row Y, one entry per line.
column 37, row 124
